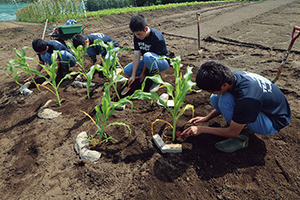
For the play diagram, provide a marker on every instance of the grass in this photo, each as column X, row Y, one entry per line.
column 106, row 12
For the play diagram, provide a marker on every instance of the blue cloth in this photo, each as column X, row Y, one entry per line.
column 70, row 22
column 97, row 50
column 65, row 58
column 148, row 59
column 254, row 101
column 225, row 104
column 46, row 58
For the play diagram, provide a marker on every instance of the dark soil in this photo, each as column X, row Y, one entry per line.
column 38, row 160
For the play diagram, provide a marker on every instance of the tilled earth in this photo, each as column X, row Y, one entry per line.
column 38, row 160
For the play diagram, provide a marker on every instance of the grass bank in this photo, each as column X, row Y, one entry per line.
column 40, row 11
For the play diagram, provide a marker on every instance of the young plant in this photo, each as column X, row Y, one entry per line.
column 79, row 53
column 20, row 64
column 182, row 85
column 51, row 71
column 106, row 111
column 109, row 66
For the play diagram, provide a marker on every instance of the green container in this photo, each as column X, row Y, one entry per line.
column 70, row 29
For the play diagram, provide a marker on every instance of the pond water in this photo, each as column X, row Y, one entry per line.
column 7, row 11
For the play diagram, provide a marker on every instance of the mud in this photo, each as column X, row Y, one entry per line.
column 38, row 160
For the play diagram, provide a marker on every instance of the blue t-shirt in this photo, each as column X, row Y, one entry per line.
column 97, row 50
column 155, row 43
column 53, row 45
column 254, row 94
column 65, row 58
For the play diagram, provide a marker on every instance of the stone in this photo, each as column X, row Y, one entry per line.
column 158, row 141
column 165, row 97
column 171, row 148
column 90, row 155
column 79, row 84
column 82, row 148
column 81, row 142
column 118, row 108
column 47, row 113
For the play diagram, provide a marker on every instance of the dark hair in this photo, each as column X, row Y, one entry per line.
column 212, row 75
column 79, row 40
column 138, row 23
column 39, row 45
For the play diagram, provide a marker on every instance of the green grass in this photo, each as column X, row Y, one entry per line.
column 100, row 13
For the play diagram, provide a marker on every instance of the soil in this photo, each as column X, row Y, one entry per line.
column 38, row 160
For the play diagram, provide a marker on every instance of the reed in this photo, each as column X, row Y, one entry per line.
column 53, row 10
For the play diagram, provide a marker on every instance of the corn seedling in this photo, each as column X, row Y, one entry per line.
column 51, row 71
column 79, row 53
column 104, row 112
column 109, row 66
column 20, row 64
column 182, row 85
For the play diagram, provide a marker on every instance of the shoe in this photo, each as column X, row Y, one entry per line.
column 232, row 144
column 154, row 87
column 80, row 77
column 24, row 89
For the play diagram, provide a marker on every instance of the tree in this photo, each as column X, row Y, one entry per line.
column 92, row 5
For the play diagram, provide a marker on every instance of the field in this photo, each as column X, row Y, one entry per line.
column 37, row 156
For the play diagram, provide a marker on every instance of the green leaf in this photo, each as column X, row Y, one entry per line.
column 120, row 124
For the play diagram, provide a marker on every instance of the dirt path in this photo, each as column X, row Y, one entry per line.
column 213, row 20
column 37, row 157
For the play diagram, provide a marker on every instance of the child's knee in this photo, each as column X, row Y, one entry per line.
column 147, row 55
column 149, row 59
column 127, row 70
column 72, row 63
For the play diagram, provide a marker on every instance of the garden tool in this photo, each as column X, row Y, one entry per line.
column 126, row 90
column 45, row 28
column 180, row 134
column 198, row 25
column 294, row 37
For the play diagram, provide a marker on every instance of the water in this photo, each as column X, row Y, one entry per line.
column 7, row 11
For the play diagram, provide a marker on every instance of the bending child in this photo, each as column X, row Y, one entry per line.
column 94, row 52
column 44, row 49
column 244, row 99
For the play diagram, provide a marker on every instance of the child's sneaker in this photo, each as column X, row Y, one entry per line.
column 24, row 89
column 232, row 144
column 80, row 77
column 154, row 87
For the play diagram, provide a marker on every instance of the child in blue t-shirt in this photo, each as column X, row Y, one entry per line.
column 244, row 99
column 149, row 45
column 44, row 49
column 94, row 52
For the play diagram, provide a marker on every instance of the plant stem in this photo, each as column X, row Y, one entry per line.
column 102, row 131
column 115, row 88
column 57, row 96
column 174, row 128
